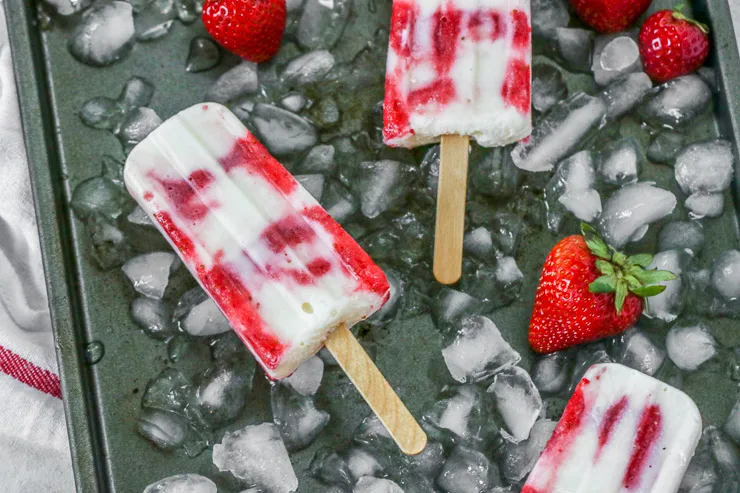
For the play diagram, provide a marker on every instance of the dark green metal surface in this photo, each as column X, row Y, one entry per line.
column 102, row 400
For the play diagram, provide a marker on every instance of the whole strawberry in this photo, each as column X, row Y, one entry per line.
column 589, row 291
column 672, row 45
column 609, row 16
column 251, row 29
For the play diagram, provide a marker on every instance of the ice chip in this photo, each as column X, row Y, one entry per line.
column 575, row 47
column 294, row 102
column 203, row 55
column 689, row 346
column 479, row 243
column 571, row 189
column 164, row 429
column 638, row 351
column 478, row 351
column 620, row 162
column 451, row 305
column 308, row 68
column 732, row 423
column 726, row 274
column 369, row 484
column 681, row 235
column 322, row 23
column 548, row 87
column 430, row 461
column 256, row 455
column 518, row 402
column 705, row 167
column 466, row 471
column 614, row 55
column 630, row 209
column 701, row 205
column 559, row 132
column 149, row 273
column 518, row 459
column 381, row 185
column 548, row 16
column 68, row 7
column 182, row 483
column 153, row 317
column 462, row 414
column 361, row 462
column 102, row 113
column 221, row 391
column 314, row 184
column 625, row 93
column 676, row 103
column 307, row 378
column 668, row 304
column 665, row 147
column 495, row 175
column 104, row 34
column 139, row 217
column 281, row 131
column 136, row 126
column 155, row 20
column 550, row 373
column 296, row 417
column 320, row 159
column 237, row 81
column 330, row 467
column 98, row 196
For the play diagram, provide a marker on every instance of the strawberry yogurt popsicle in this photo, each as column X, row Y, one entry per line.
column 622, row 431
column 457, row 69
column 280, row 268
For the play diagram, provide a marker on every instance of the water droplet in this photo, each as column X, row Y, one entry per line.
column 203, row 55
column 94, row 352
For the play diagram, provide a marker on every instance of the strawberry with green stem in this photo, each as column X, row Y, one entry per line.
column 588, row 290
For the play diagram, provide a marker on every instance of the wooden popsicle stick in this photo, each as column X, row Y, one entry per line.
column 376, row 390
column 453, row 181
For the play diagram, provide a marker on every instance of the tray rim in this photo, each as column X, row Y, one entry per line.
column 53, row 215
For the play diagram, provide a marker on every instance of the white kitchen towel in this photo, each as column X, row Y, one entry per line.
column 34, row 451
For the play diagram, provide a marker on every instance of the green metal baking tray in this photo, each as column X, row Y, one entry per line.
column 102, row 400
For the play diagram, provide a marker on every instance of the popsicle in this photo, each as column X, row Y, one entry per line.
column 622, row 431
column 287, row 277
column 457, row 69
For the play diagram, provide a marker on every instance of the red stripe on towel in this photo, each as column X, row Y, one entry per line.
column 26, row 372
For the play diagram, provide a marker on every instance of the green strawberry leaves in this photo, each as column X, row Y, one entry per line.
column 678, row 15
column 621, row 274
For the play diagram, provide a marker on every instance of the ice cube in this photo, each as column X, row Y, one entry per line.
column 451, row 305
column 102, row 113
column 519, row 459
column 203, row 55
column 182, row 483
column 361, row 462
column 587, row 356
column 726, row 274
column 308, row 68
column 614, row 56
column 430, row 461
column 625, row 93
column 548, row 87
column 681, row 235
column 518, row 402
column 575, row 47
column 330, row 467
column 139, row 217
column 726, row 457
column 307, row 378
column 550, row 373
column 556, row 135
column 705, row 167
column 198, row 315
column 569, row 190
column 281, row 131
column 701, row 474
column 98, row 196
column 479, row 243
column 689, row 346
column 296, row 417
column 294, row 102
column 188, row 10
column 149, row 273
column 293, row 5
column 369, row 484
column 548, row 16
column 155, row 20
column 69, row 7
column 256, row 454
column 314, row 184
column 701, row 205
column 320, row 159
column 169, row 391
column 506, row 232
column 138, row 123
column 381, row 185
column 221, row 391
column 466, row 471
column 638, row 351
column 620, row 162
column 631, row 209
column 478, row 351
column 732, row 423
column 677, row 102
column 668, row 304
column 495, row 286
column 137, row 92
column 322, row 23
column 709, row 75
column 237, row 81
column 494, row 175
column 665, row 147
column 164, row 429
column 391, row 307
column 153, row 317
column 462, row 413
column 325, row 112
column 104, row 34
